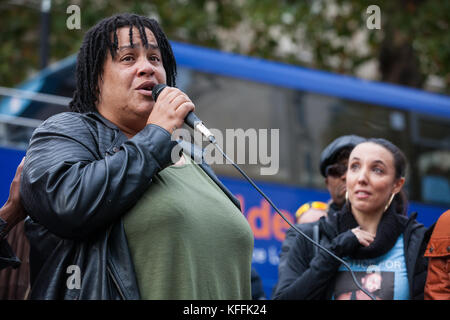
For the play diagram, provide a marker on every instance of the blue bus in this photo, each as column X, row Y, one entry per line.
column 309, row 108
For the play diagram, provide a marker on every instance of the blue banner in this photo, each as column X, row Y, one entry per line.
column 9, row 160
column 267, row 226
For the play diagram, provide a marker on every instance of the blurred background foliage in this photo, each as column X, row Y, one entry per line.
column 412, row 47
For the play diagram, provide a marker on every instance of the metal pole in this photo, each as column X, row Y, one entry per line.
column 45, row 32
column 36, row 96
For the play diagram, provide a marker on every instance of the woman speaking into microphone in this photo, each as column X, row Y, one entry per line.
column 111, row 216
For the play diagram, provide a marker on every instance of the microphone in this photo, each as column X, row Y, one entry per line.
column 191, row 119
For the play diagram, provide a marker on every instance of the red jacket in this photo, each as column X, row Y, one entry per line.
column 437, row 286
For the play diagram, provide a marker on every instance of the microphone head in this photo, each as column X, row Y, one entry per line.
column 157, row 90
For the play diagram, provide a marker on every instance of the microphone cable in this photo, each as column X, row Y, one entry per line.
column 193, row 121
column 318, row 245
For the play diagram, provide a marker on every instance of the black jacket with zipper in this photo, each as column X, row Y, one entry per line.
column 81, row 175
column 309, row 274
column 289, row 240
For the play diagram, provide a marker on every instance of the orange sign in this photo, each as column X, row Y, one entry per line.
column 265, row 223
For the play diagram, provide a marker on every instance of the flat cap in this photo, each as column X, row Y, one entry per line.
column 330, row 153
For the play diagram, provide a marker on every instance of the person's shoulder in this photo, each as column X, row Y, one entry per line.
column 306, row 228
column 442, row 226
column 71, row 123
column 412, row 226
column 444, row 220
column 62, row 120
column 62, row 116
column 412, row 221
column 415, row 233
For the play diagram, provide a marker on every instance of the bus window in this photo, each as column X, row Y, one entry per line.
column 307, row 122
column 434, row 174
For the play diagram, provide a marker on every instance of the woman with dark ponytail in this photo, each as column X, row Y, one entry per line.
column 382, row 246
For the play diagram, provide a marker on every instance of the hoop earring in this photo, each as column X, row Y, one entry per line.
column 390, row 201
column 346, row 196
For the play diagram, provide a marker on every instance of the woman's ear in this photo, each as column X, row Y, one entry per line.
column 398, row 185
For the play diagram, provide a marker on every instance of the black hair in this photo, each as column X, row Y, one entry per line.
column 400, row 200
column 93, row 53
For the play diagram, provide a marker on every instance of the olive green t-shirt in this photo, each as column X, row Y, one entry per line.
column 188, row 240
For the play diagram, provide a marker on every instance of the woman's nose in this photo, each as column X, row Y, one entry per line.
column 145, row 67
column 362, row 175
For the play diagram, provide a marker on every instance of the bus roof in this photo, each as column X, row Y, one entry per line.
column 264, row 71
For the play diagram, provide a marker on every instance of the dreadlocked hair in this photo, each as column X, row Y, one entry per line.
column 93, row 53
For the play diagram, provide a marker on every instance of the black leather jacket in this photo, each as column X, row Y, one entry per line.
column 81, row 175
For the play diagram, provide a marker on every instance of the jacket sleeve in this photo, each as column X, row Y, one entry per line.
column 7, row 256
column 306, row 278
column 72, row 190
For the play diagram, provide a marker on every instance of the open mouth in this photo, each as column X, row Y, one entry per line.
column 360, row 194
column 146, row 88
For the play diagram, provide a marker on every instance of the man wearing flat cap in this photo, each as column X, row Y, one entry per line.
column 333, row 166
